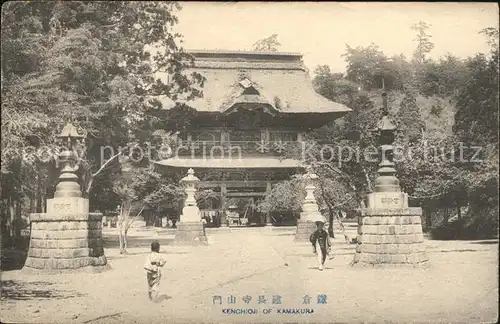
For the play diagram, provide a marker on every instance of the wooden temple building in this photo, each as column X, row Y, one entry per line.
column 255, row 107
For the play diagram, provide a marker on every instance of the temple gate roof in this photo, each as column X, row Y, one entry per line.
column 276, row 80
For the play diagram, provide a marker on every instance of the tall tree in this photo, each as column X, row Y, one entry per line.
column 141, row 189
column 268, row 44
column 492, row 35
column 424, row 43
column 363, row 64
column 88, row 62
column 442, row 78
column 476, row 125
column 409, row 118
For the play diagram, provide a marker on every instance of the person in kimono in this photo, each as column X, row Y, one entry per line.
column 154, row 261
column 321, row 243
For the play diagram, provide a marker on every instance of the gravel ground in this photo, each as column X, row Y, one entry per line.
column 460, row 286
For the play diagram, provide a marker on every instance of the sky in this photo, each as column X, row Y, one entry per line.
column 321, row 30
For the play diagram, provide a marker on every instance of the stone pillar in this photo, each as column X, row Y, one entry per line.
column 310, row 211
column 67, row 236
column 190, row 230
column 389, row 232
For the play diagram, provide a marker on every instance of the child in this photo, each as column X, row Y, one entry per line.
column 320, row 240
column 154, row 262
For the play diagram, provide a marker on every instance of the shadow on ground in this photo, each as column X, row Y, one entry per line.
column 13, row 259
column 120, row 256
column 134, row 242
column 17, row 290
column 162, row 298
column 485, row 242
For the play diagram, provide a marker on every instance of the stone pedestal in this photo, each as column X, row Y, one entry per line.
column 66, row 241
column 304, row 230
column 190, row 233
column 190, row 230
column 390, row 238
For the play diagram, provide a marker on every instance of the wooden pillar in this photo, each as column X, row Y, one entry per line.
column 264, row 135
column 268, row 214
column 223, row 192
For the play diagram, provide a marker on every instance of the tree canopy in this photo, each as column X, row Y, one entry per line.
column 94, row 64
column 268, row 44
column 444, row 109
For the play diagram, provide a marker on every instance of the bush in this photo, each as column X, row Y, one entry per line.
column 444, row 231
column 466, row 228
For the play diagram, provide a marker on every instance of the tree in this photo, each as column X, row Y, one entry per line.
column 333, row 85
column 88, row 62
column 424, row 43
column 284, row 196
column 476, row 118
column 476, row 124
column 268, row 44
column 409, row 119
column 442, row 78
column 492, row 35
column 363, row 64
column 140, row 189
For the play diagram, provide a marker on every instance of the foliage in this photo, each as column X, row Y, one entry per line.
column 94, row 63
column 442, row 78
column 476, row 124
column 268, row 44
column 90, row 55
column 146, row 187
column 140, row 189
column 424, row 43
column 363, row 64
column 429, row 94
column 284, row 196
column 409, row 120
column 204, row 196
column 476, row 119
column 492, row 35
column 372, row 69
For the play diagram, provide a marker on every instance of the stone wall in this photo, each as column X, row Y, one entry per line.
column 66, row 241
column 390, row 237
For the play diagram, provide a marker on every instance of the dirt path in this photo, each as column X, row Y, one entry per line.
column 460, row 286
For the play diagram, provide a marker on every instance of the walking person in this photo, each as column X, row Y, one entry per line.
column 321, row 243
column 154, row 262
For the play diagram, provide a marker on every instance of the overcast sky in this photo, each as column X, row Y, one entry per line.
column 321, row 30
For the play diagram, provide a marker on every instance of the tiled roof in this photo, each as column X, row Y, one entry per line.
column 280, row 78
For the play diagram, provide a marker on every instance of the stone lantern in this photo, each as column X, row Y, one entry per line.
column 389, row 232
column 310, row 210
column 67, row 236
column 190, row 229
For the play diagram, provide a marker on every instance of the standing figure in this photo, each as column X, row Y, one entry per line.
column 321, row 243
column 154, row 262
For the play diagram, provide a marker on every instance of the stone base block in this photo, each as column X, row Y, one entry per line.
column 304, row 231
column 391, row 237
column 190, row 233
column 65, row 242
